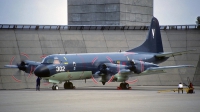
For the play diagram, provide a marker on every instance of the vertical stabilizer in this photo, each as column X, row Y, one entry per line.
column 153, row 41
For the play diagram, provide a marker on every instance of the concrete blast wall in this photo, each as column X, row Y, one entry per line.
column 110, row 12
column 44, row 42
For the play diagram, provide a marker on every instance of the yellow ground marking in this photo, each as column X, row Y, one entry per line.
column 173, row 90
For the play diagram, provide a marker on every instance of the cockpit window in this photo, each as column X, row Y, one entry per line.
column 51, row 60
column 48, row 60
column 56, row 60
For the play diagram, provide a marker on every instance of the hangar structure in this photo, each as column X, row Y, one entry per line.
column 90, row 35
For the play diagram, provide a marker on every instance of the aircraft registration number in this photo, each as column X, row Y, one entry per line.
column 60, row 68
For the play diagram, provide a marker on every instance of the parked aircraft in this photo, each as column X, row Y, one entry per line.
column 109, row 67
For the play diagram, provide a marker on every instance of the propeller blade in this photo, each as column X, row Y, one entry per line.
column 11, row 66
column 111, row 79
column 94, row 80
column 132, row 82
column 24, row 56
column 21, row 66
column 18, row 73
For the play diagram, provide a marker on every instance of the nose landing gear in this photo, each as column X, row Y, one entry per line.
column 55, row 87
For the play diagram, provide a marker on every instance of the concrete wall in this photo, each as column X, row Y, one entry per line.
column 44, row 42
column 110, row 12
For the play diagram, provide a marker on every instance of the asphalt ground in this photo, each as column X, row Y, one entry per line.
column 99, row 99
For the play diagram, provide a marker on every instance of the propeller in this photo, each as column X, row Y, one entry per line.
column 105, row 73
column 22, row 66
column 132, row 66
column 103, row 70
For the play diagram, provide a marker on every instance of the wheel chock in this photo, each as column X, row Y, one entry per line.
column 119, row 88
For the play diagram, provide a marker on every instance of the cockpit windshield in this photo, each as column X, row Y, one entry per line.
column 51, row 60
column 48, row 60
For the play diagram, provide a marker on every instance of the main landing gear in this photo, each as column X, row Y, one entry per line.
column 124, row 86
column 68, row 85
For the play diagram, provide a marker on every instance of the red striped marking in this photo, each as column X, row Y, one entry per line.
column 111, row 79
column 24, row 54
column 16, row 79
column 47, row 83
column 94, row 60
column 12, row 60
column 129, row 53
column 94, row 80
column 43, row 56
column 142, row 66
column 132, row 82
column 31, row 72
column 109, row 59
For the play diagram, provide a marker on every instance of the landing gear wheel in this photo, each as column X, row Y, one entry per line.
column 68, row 85
column 55, row 87
column 71, row 85
column 124, row 86
column 121, row 85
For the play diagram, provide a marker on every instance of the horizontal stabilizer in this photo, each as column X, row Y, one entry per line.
column 155, row 70
column 168, row 67
column 171, row 54
column 11, row 66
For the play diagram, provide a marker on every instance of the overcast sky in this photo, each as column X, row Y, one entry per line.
column 54, row 12
column 176, row 12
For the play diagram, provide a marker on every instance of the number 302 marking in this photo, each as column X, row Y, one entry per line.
column 60, row 68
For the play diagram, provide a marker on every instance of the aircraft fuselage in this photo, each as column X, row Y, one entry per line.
column 84, row 65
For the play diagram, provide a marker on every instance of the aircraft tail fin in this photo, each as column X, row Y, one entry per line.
column 153, row 41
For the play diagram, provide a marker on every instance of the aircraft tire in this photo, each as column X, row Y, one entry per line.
column 53, row 87
column 70, row 85
column 66, row 85
column 126, row 85
column 56, row 87
column 122, row 85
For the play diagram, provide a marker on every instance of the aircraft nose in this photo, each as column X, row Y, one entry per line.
column 42, row 71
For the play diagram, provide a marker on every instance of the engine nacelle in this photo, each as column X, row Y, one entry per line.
column 140, row 66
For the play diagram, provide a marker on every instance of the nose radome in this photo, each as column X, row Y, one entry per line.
column 42, row 71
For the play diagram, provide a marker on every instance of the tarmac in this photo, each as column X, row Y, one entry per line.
column 99, row 99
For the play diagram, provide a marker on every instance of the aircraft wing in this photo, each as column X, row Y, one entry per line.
column 171, row 54
column 155, row 70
